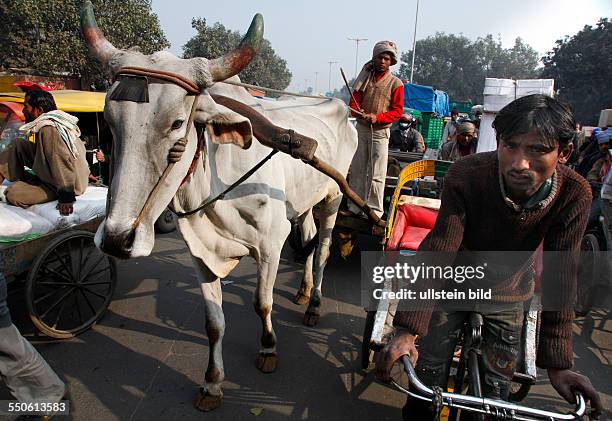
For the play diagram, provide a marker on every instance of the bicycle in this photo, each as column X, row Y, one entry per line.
column 469, row 372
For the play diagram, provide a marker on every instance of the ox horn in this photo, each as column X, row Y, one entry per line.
column 97, row 43
column 233, row 62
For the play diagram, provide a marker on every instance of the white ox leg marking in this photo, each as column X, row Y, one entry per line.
column 211, row 394
column 327, row 220
column 266, row 275
column 308, row 230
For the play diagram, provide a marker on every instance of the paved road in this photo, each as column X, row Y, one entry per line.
column 146, row 357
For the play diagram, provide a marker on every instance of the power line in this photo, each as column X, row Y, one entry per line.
column 329, row 81
column 357, row 41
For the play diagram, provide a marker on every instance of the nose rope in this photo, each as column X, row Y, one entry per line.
column 153, row 195
column 181, row 144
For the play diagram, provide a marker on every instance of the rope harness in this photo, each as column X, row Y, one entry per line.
column 221, row 196
column 179, row 146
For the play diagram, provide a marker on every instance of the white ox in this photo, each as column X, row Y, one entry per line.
column 252, row 220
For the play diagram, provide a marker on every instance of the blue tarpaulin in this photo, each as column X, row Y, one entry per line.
column 425, row 99
column 419, row 97
column 441, row 106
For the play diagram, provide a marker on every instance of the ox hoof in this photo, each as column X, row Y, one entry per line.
column 206, row 402
column 301, row 298
column 266, row 363
column 311, row 319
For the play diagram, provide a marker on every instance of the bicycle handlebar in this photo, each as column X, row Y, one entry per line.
column 497, row 409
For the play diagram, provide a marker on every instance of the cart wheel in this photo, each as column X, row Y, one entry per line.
column 69, row 285
column 367, row 354
column 588, row 274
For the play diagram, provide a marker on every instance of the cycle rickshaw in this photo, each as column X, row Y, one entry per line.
column 409, row 221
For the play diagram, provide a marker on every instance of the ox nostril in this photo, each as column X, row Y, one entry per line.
column 118, row 244
column 128, row 240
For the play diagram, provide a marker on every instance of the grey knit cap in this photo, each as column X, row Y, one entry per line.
column 386, row 47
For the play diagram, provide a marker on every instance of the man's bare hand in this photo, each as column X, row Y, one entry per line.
column 65, row 209
column 371, row 118
column 100, row 156
column 567, row 382
column 402, row 344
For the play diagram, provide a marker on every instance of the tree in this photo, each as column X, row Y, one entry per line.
column 581, row 66
column 46, row 36
column 459, row 66
column 267, row 69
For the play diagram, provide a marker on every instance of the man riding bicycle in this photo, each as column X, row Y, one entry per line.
column 512, row 199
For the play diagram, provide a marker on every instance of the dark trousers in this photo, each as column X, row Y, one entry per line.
column 595, row 212
column 501, row 338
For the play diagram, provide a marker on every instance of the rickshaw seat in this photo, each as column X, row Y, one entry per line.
column 412, row 224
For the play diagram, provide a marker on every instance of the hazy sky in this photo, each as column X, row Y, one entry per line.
column 309, row 34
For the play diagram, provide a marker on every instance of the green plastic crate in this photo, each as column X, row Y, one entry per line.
column 432, row 130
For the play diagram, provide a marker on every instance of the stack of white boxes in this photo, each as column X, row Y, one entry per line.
column 500, row 92
column 605, row 118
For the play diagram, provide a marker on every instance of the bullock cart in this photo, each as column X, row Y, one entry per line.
column 68, row 282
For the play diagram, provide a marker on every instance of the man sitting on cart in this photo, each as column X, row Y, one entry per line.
column 57, row 157
column 514, row 198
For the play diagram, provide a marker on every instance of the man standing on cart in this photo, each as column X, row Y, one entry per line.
column 514, row 198
column 380, row 98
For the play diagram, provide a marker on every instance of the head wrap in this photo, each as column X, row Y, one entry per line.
column 385, row 47
column 367, row 72
column 466, row 127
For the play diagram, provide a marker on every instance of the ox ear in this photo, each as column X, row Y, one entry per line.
column 224, row 125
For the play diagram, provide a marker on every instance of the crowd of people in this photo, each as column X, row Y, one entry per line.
column 590, row 156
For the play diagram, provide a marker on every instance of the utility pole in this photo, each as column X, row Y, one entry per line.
column 329, row 81
column 306, row 85
column 416, row 19
column 316, row 82
column 357, row 41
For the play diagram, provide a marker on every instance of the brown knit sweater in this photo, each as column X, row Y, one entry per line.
column 476, row 216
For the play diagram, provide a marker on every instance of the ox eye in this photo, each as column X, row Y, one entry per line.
column 177, row 124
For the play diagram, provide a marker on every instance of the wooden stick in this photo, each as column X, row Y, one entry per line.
column 349, row 90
